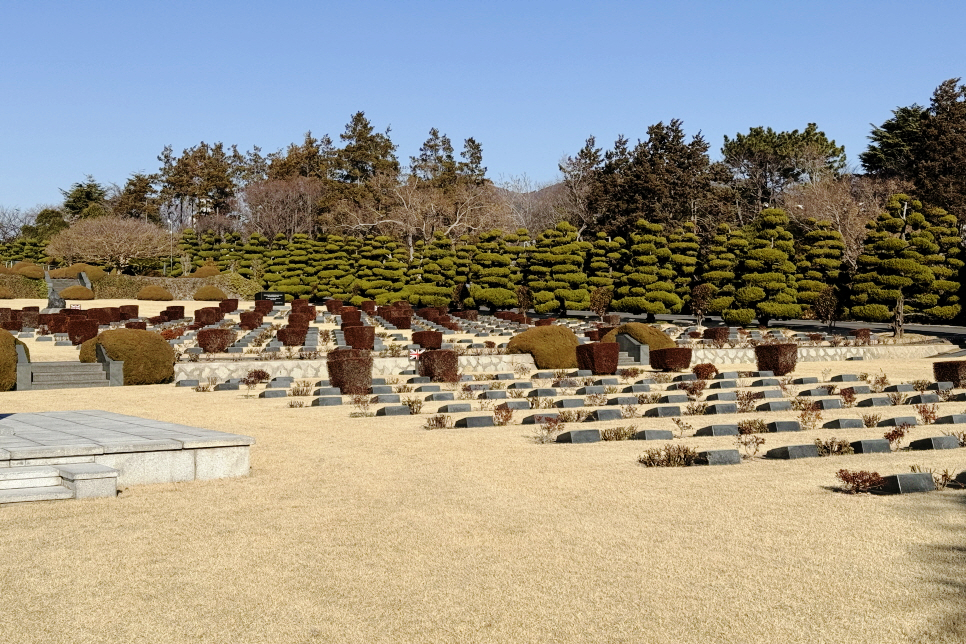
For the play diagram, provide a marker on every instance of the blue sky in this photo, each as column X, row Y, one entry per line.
column 100, row 87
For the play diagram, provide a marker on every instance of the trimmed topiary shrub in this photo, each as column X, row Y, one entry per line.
column 215, row 340
column 148, row 358
column 8, row 360
column 209, row 294
column 738, row 317
column 77, row 292
column 5, row 293
column 439, row 365
column 136, row 325
column 129, row 311
column 428, row 339
column 653, row 337
column 350, row 314
column 552, row 347
column 862, row 336
column 206, row 271
column 292, row 336
column 360, row 337
column 228, row 306
column 778, row 358
column 671, row 359
column 350, row 370
column 250, row 320
column 80, row 330
column 953, row 371
column 599, row 358
column 716, row 334
column 30, row 271
column 704, row 371
column 155, row 294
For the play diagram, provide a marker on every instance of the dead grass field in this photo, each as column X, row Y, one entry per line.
column 376, row 530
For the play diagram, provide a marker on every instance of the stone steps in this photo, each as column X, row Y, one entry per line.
column 68, row 375
column 55, row 483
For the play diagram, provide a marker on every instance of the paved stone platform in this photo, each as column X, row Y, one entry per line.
column 140, row 449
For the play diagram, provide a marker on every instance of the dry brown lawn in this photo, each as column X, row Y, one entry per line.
column 376, row 530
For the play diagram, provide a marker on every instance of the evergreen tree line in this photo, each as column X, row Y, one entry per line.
column 908, row 270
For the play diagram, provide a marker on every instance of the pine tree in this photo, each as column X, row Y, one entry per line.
column 559, row 282
column 718, row 269
column 896, row 277
column 685, row 246
column 820, row 261
column 601, row 260
column 767, row 272
column 432, row 272
column 648, row 283
column 277, row 261
column 490, row 273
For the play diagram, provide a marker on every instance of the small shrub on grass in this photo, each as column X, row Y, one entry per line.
column 862, row 336
column 696, row 409
column 752, row 426
column 301, row 388
column 629, row 373
column 871, row 420
column 629, row 411
column 704, row 371
column 669, row 456
column 879, row 383
column 920, row 385
column 296, row 403
column 438, row 421
column 747, row 401
column 362, row 404
column 693, row 388
column 595, row 400
column 648, row 398
column 155, row 294
column 848, row 396
column 521, row 371
column 895, row 435
column 415, row 405
column 77, row 292
column 548, row 431
column 623, row 433
column 810, row 419
column 945, row 395
column 203, row 388
column 749, row 444
column 681, row 427
column 572, row 416
column 927, row 413
column 502, row 416
column 897, row 398
column 859, row 481
column 833, row 447
column 662, row 378
column 802, row 403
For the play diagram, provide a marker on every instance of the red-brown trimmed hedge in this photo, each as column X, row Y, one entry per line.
column 227, row 306
column 129, row 311
column 953, row 371
column 80, row 330
column 215, row 340
column 428, row 339
column 545, row 322
column 778, row 358
column 862, row 336
column 174, row 312
column 670, row 359
column 350, row 370
column 333, row 305
column 471, row 315
column 440, row 365
column 263, row 307
column 134, row 325
column 29, row 319
column 716, row 334
column 360, row 337
column 350, row 314
column 57, row 323
column 250, row 320
column 600, row 358
column 369, row 306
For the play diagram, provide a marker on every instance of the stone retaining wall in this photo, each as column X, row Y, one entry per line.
column 315, row 369
column 824, row 354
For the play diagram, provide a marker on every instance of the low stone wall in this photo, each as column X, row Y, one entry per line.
column 824, row 354
column 315, row 369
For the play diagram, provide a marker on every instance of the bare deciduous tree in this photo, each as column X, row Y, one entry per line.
column 534, row 206
column 109, row 241
column 285, row 206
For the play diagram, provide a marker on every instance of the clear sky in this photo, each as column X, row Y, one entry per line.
column 100, row 88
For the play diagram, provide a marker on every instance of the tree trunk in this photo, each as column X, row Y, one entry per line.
column 898, row 317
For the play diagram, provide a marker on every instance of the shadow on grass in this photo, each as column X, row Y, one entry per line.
column 946, row 565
